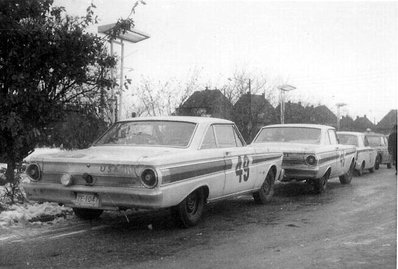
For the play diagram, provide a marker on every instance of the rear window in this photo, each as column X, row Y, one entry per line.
column 348, row 139
column 375, row 141
column 301, row 135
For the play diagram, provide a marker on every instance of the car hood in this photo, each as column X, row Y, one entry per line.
column 105, row 154
column 288, row 147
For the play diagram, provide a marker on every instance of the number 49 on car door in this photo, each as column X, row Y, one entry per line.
column 238, row 162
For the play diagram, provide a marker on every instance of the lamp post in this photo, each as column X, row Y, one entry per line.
column 283, row 89
column 133, row 36
column 338, row 105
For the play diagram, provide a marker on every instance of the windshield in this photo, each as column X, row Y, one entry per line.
column 301, row 135
column 149, row 133
column 347, row 139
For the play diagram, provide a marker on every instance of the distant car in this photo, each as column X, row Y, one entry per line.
column 380, row 143
column 158, row 162
column 311, row 152
column 366, row 155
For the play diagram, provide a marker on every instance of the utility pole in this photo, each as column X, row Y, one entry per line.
column 338, row 105
column 283, row 89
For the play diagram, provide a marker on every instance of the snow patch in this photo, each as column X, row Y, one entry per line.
column 22, row 214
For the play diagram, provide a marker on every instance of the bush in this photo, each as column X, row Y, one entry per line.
column 11, row 193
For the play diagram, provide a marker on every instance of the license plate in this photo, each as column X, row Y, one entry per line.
column 86, row 200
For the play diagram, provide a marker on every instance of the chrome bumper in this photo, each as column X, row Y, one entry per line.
column 109, row 197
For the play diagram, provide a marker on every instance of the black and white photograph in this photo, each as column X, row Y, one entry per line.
column 198, row 134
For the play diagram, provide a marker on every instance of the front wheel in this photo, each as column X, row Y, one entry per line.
column 347, row 177
column 189, row 212
column 264, row 195
column 360, row 170
column 377, row 164
column 320, row 184
column 389, row 165
column 87, row 213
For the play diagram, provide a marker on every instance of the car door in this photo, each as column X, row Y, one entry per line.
column 238, row 158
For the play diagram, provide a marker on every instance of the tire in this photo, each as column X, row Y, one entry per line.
column 320, row 184
column 347, row 177
column 189, row 212
column 377, row 164
column 389, row 165
column 87, row 213
column 264, row 195
column 359, row 171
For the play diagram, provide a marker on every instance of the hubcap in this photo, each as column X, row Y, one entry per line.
column 267, row 185
column 192, row 203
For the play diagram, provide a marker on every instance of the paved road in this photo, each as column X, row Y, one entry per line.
column 350, row 226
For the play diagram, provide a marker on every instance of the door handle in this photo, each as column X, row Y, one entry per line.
column 227, row 153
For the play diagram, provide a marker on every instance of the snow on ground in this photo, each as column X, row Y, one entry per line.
column 18, row 214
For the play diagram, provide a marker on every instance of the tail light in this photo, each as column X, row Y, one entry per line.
column 33, row 172
column 149, row 178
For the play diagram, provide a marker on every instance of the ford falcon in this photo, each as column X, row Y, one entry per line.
column 366, row 155
column 156, row 162
column 311, row 152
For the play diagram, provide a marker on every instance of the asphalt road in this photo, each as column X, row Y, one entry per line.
column 349, row 226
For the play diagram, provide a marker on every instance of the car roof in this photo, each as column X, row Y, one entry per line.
column 305, row 125
column 350, row 133
column 179, row 118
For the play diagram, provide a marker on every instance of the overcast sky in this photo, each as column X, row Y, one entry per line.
column 331, row 52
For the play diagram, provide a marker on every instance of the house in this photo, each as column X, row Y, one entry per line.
column 361, row 124
column 206, row 103
column 387, row 122
column 251, row 112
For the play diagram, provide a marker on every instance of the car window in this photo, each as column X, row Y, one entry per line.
column 225, row 136
column 348, row 139
column 239, row 141
column 332, row 137
column 209, row 140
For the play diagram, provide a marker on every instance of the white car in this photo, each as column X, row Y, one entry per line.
column 366, row 155
column 311, row 152
column 158, row 162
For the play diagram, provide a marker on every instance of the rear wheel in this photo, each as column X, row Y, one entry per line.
column 347, row 177
column 389, row 165
column 264, row 195
column 189, row 212
column 87, row 213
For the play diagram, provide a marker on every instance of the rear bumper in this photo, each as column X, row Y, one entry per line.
column 300, row 174
column 109, row 197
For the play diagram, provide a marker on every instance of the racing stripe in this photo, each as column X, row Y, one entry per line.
column 264, row 158
column 174, row 174
column 330, row 158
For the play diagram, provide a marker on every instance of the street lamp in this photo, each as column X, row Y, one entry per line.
column 338, row 105
column 133, row 36
column 283, row 89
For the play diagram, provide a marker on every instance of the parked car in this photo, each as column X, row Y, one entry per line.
column 380, row 143
column 311, row 152
column 158, row 162
column 366, row 155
